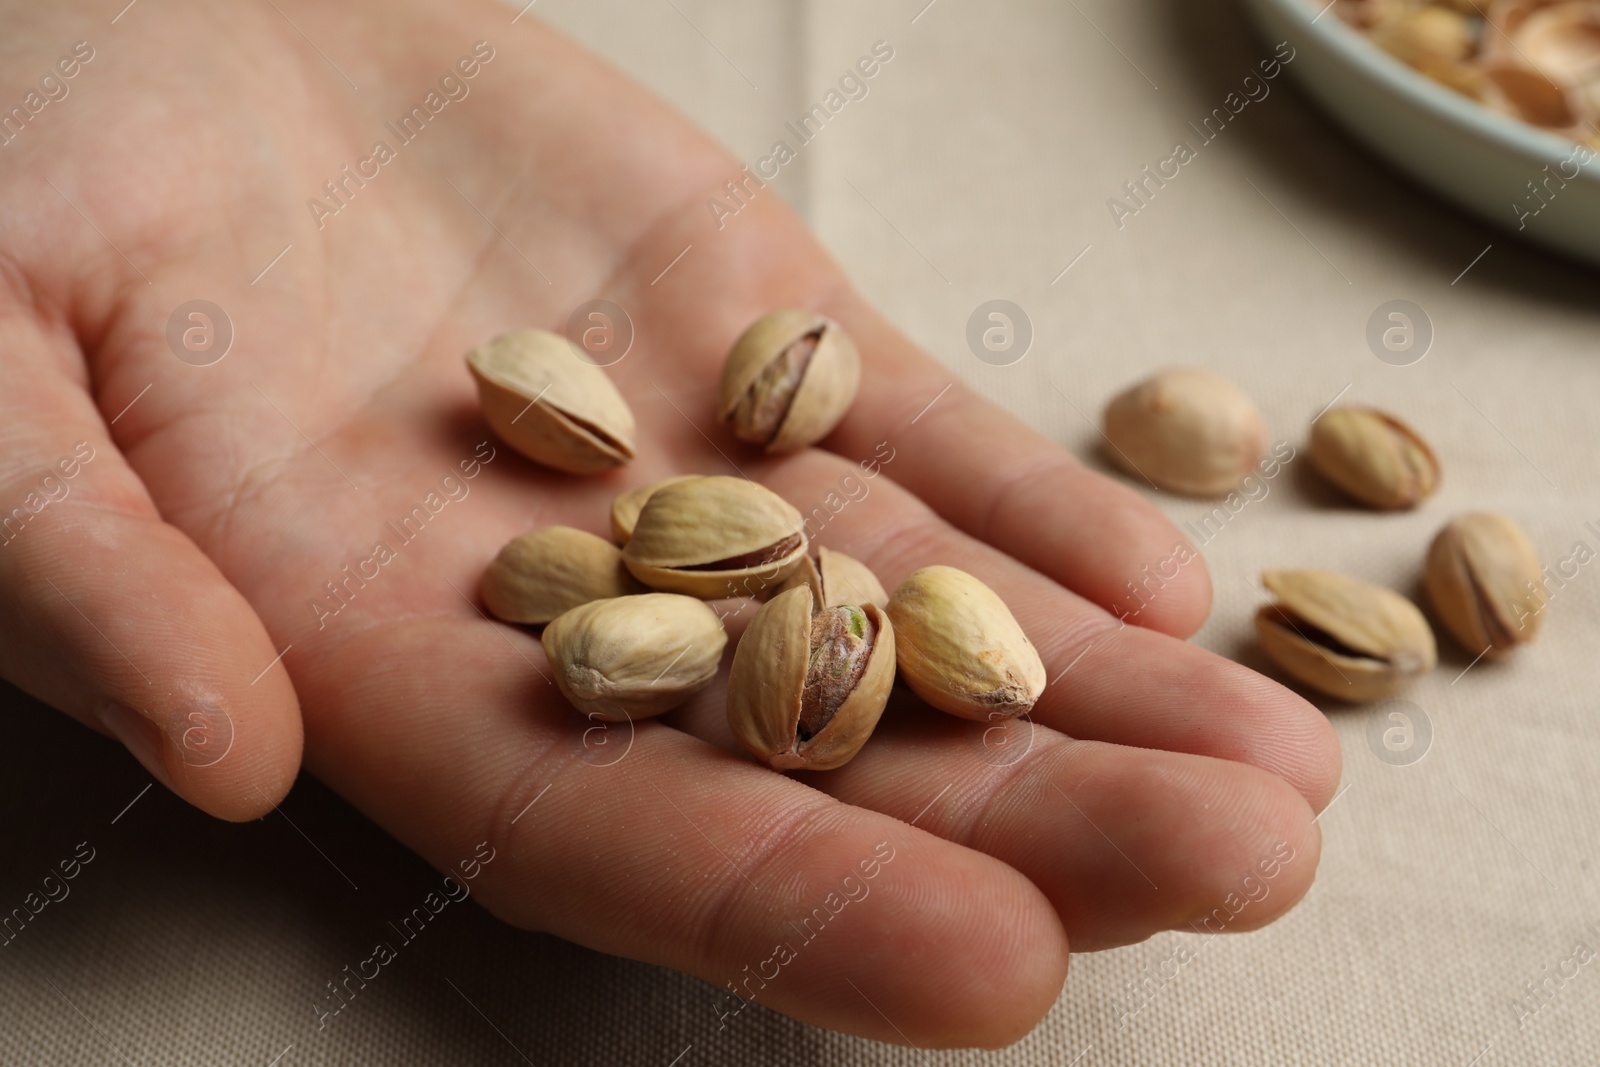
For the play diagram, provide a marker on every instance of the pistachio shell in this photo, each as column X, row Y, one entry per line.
column 1371, row 14
column 625, row 509
column 788, row 381
column 634, row 657
column 715, row 537
column 1426, row 37
column 1562, row 40
column 1186, row 430
column 1528, row 95
column 961, row 649
column 552, row 570
column 1344, row 637
column 1485, row 581
column 551, row 405
column 1543, row 60
column 1374, row 457
column 772, row 667
column 836, row 579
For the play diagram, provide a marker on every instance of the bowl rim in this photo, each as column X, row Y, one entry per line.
column 1356, row 49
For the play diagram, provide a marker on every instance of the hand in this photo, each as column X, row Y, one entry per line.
column 233, row 511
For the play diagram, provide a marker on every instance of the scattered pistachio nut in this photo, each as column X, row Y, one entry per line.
column 1344, row 637
column 552, row 570
column 961, row 649
column 634, row 657
column 1187, row 430
column 625, row 509
column 788, row 381
column 550, row 404
column 1374, row 457
column 807, row 688
column 1484, row 579
column 714, row 537
column 836, row 580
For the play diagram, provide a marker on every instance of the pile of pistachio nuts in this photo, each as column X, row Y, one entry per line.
column 1193, row 432
column 628, row 626
column 1535, row 60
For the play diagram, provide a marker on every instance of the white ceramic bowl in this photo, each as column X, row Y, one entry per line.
column 1481, row 160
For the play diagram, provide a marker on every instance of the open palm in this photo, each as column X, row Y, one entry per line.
column 236, row 509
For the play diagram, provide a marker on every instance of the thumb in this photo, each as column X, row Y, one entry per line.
column 116, row 617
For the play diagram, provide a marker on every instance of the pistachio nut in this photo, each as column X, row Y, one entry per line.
column 807, row 689
column 635, row 656
column 1485, row 581
column 961, row 649
column 1426, row 37
column 715, row 537
column 1374, row 457
column 1186, row 430
column 548, row 571
column 625, row 509
column 836, row 580
column 550, row 404
column 1540, row 65
column 788, row 381
column 1342, row 636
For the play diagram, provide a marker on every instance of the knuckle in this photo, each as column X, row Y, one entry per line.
column 989, row 812
column 1019, row 489
column 547, row 767
column 775, row 839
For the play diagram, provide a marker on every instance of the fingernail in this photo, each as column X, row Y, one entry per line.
column 139, row 736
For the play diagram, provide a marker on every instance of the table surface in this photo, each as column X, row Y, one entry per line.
column 981, row 166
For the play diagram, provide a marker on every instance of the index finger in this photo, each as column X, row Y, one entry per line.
column 993, row 477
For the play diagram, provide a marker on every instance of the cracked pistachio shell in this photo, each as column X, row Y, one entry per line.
column 1374, row 457
column 550, row 404
column 1427, row 38
column 788, row 381
column 1344, row 637
column 775, row 664
column 961, row 649
column 634, row 657
column 1187, row 430
column 625, row 509
column 1485, row 581
column 715, row 537
column 836, row 580
column 552, row 570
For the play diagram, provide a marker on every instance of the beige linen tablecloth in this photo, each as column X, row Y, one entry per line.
column 1455, row 889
